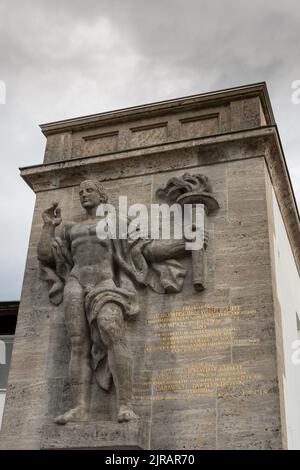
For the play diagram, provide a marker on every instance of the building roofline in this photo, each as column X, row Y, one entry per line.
column 163, row 107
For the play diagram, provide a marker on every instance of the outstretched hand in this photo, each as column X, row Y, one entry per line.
column 52, row 215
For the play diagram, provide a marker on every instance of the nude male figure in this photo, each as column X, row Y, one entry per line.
column 95, row 305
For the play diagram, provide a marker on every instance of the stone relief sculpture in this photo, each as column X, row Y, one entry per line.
column 98, row 281
column 193, row 189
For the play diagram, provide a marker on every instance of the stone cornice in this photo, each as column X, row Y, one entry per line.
column 207, row 151
column 29, row 173
column 164, row 107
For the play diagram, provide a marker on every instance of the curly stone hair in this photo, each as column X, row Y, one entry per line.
column 98, row 187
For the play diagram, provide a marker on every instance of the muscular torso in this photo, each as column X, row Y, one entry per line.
column 92, row 257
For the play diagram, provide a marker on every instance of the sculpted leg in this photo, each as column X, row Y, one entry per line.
column 111, row 325
column 79, row 369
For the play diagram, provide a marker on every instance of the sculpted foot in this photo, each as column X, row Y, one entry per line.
column 75, row 414
column 126, row 413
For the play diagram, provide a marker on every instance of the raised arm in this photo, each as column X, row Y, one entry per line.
column 160, row 250
column 51, row 218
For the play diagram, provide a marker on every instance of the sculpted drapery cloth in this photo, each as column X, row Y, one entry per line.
column 132, row 271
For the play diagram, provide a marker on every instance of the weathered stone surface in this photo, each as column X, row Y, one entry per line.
column 240, row 425
column 95, row 435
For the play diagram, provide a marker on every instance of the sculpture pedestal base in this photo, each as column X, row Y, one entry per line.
column 97, row 435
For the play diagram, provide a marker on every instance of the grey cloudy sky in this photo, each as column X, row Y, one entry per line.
column 62, row 59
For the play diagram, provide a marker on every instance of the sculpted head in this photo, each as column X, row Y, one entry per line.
column 91, row 194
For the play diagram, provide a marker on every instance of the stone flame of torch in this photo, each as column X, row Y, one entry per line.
column 193, row 189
